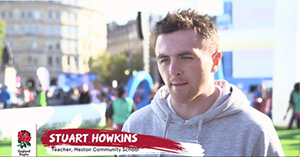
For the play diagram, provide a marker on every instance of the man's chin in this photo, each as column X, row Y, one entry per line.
column 180, row 98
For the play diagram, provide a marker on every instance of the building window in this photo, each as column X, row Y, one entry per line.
column 57, row 15
column 29, row 14
column 69, row 60
column 35, row 61
column 29, row 60
column 3, row 15
column 36, row 29
column 58, row 45
column 50, row 30
column 57, row 61
column 50, row 45
column 49, row 61
column 34, row 45
column 10, row 30
column 23, row 29
column 75, row 45
column 75, row 16
column 31, row 44
column 23, row 15
column 50, row 15
column 30, row 30
column 36, row 15
column 76, row 61
column 57, row 30
column 75, row 31
column 11, row 15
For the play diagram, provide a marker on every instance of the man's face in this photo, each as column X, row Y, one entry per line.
column 186, row 69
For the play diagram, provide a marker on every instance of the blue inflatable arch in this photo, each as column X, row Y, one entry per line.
column 133, row 84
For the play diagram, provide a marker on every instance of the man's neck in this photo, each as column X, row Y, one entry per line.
column 196, row 107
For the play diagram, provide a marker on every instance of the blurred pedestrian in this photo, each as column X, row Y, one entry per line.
column 266, row 105
column 26, row 97
column 5, row 97
column 85, row 97
column 72, row 96
column 121, row 108
column 257, row 97
column 96, row 96
column 41, row 97
column 294, row 104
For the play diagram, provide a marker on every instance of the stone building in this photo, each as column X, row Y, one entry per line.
column 122, row 38
column 60, row 35
column 125, row 38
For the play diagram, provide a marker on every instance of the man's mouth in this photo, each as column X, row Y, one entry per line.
column 177, row 84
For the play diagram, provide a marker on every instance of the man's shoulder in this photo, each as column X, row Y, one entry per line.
column 253, row 117
column 140, row 117
column 142, row 112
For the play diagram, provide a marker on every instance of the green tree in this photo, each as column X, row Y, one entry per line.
column 101, row 65
column 118, row 67
column 136, row 61
column 110, row 67
column 2, row 33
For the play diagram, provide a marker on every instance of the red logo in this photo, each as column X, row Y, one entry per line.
column 24, row 138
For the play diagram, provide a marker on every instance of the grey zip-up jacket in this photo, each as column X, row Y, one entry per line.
column 231, row 127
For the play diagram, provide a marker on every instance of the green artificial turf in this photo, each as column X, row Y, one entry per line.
column 288, row 138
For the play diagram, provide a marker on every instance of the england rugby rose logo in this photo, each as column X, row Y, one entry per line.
column 24, row 138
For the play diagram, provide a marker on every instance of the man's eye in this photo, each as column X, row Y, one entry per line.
column 163, row 60
column 185, row 58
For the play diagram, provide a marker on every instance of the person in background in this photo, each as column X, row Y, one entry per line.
column 266, row 105
column 95, row 93
column 257, row 97
column 41, row 97
column 85, row 97
column 294, row 104
column 192, row 107
column 26, row 98
column 72, row 96
column 120, row 109
column 5, row 97
column 111, row 95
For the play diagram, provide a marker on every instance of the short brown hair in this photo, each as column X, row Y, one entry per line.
column 190, row 19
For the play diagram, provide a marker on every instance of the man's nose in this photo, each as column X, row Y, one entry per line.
column 175, row 68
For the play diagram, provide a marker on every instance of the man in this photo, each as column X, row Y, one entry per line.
column 120, row 109
column 95, row 93
column 26, row 99
column 294, row 104
column 85, row 97
column 192, row 106
column 41, row 97
column 5, row 97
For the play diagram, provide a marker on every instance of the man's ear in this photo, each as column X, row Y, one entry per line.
column 217, row 58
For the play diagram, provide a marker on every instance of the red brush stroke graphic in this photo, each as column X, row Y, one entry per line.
column 141, row 141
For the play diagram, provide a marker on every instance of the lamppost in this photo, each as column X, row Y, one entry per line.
column 144, row 34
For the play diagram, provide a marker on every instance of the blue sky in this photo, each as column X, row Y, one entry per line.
column 122, row 11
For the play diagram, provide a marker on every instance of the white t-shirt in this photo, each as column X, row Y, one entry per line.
column 94, row 93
